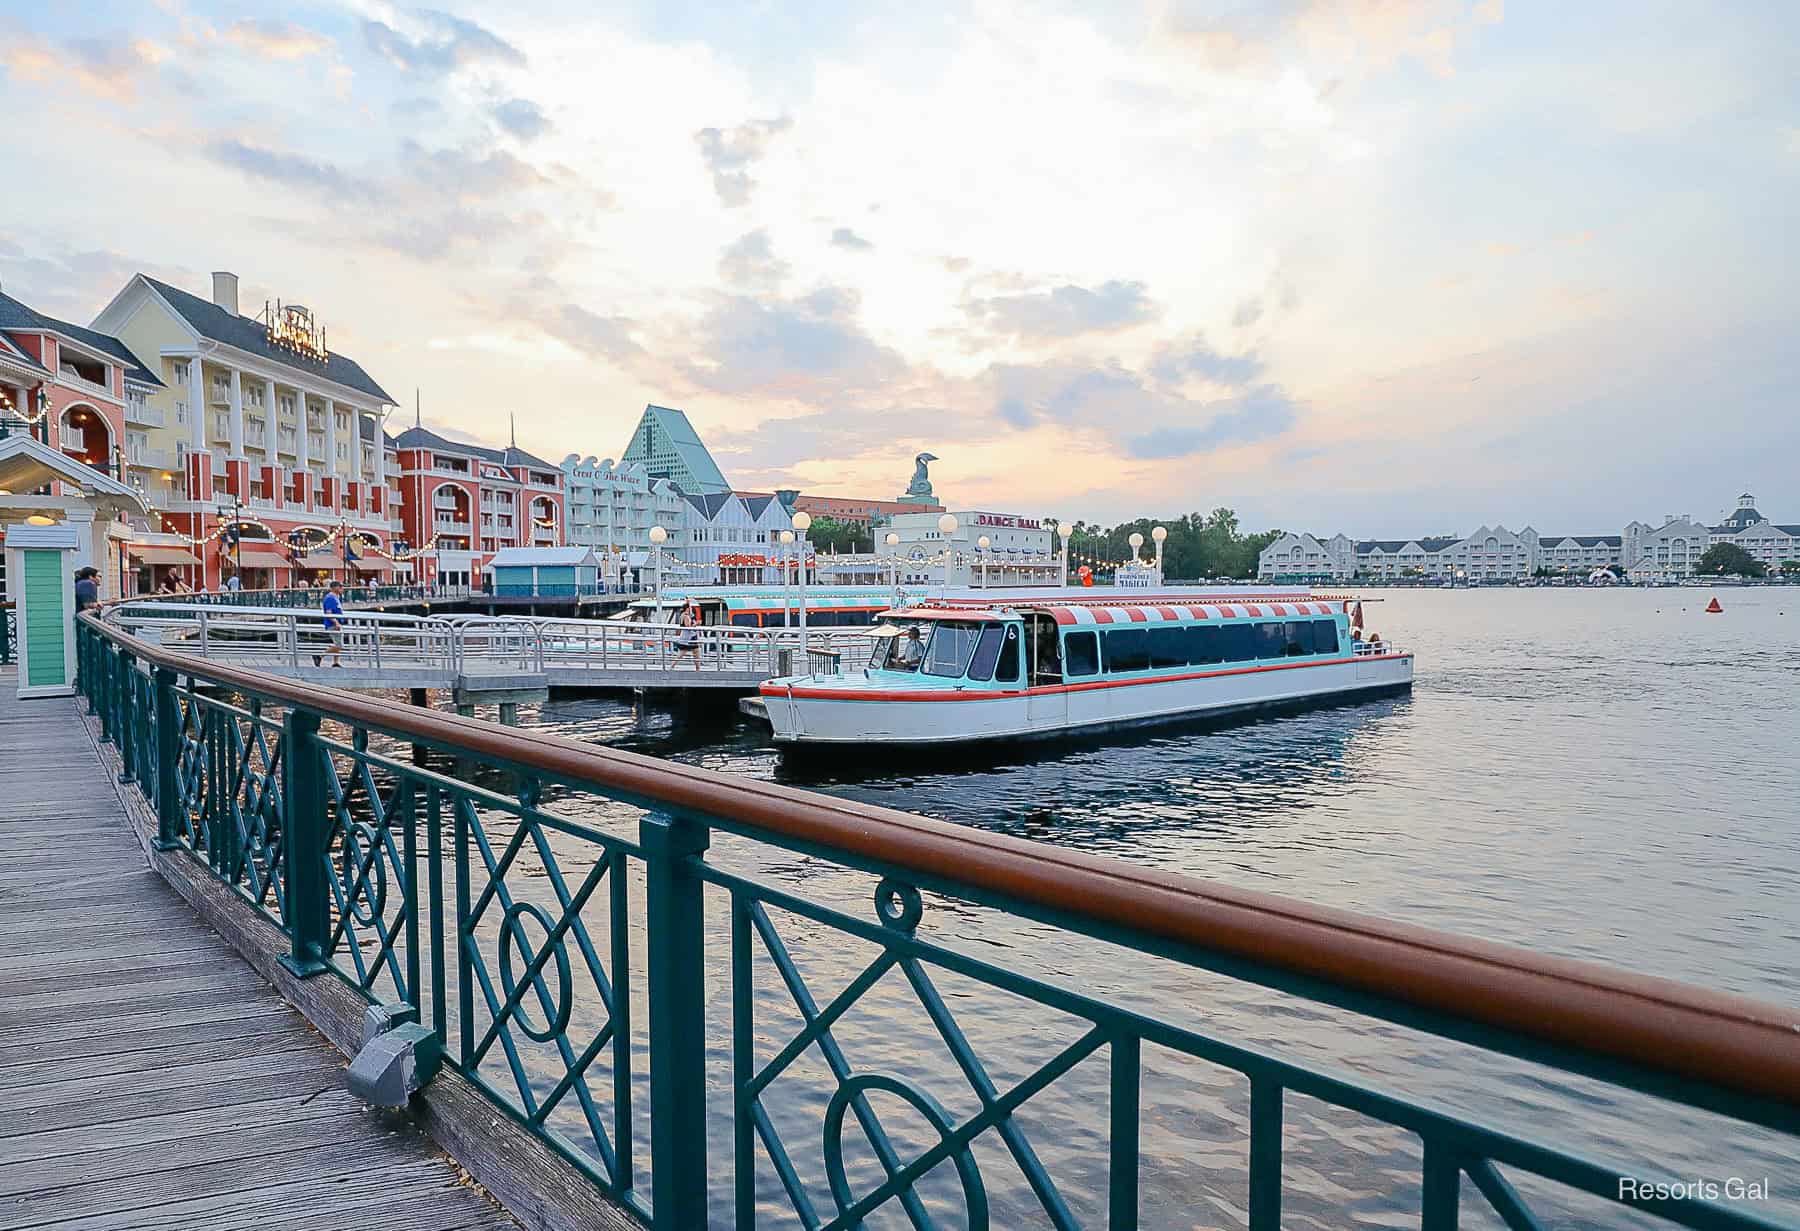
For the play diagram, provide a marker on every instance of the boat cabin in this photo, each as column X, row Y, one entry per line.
column 768, row 606
column 1093, row 643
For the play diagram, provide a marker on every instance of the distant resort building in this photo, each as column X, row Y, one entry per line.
column 612, row 508
column 1666, row 551
column 463, row 504
column 666, row 445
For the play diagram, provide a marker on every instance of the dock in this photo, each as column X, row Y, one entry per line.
column 151, row 1077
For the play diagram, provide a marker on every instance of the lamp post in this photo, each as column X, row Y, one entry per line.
column 787, row 579
column 983, row 543
column 893, row 546
column 802, row 523
column 1063, row 531
column 658, row 536
column 947, row 526
column 1159, row 533
column 1136, row 540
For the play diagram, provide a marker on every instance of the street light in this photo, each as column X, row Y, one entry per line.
column 947, row 527
column 1136, row 540
column 984, row 542
column 1063, row 531
column 787, row 547
column 802, row 523
column 893, row 546
column 658, row 536
column 1159, row 533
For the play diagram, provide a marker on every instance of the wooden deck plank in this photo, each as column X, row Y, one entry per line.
column 151, row 1077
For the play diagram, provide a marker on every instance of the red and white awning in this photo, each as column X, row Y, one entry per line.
column 1164, row 614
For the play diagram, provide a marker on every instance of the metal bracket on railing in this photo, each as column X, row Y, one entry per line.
column 397, row 1058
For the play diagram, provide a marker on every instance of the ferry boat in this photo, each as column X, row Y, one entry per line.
column 750, row 606
column 953, row 670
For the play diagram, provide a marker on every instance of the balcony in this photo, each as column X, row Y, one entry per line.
column 150, row 459
column 449, row 525
column 144, row 414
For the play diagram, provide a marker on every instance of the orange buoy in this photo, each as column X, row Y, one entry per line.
column 1713, row 607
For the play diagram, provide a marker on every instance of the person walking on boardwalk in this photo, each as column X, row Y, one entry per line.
column 333, row 608
column 687, row 641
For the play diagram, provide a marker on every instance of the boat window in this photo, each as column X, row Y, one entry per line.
column 1202, row 643
column 947, row 653
column 1299, row 638
column 1127, row 649
column 1236, row 644
column 1325, row 637
column 1081, row 652
column 746, row 619
column 987, row 652
column 900, row 651
column 1168, row 646
column 1008, row 670
column 1271, row 640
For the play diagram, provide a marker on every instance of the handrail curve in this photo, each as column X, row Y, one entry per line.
column 1655, row 1026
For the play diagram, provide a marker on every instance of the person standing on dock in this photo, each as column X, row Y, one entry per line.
column 333, row 608
column 87, row 589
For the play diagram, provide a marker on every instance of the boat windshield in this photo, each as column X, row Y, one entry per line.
column 951, row 645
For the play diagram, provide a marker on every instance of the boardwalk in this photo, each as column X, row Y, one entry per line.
column 149, row 1077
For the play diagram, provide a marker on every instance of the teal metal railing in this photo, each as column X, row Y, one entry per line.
column 532, row 940
column 311, row 597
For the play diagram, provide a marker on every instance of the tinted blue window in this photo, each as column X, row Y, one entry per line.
column 1081, row 654
column 1235, row 643
column 1325, row 637
column 1202, row 644
column 1270, row 639
column 1008, row 670
column 1127, row 649
column 987, row 652
column 1299, row 638
column 1168, row 646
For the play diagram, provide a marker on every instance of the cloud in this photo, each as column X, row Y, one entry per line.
column 468, row 174
column 522, row 118
column 750, row 262
column 1064, row 311
column 441, row 43
column 730, row 153
column 1174, row 362
column 1247, row 313
column 275, row 40
column 416, row 108
column 598, row 337
column 1258, row 414
column 809, row 347
column 844, row 237
column 107, row 68
column 289, row 170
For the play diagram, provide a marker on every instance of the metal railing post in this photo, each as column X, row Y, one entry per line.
column 675, row 979
column 103, row 678
column 168, row 758
column 306, row 913
column 127, row 744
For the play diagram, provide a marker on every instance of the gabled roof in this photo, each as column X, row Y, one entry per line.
column 211, row 321
column 18, row 317
column 27, row 463
column 526, row 557
column 709, row 503
column 1585, row 540
column 756, row 504
column 665, row 443
column 18, row 357
column 512, row 455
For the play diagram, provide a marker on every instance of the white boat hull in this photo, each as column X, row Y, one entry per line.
column 814, row 711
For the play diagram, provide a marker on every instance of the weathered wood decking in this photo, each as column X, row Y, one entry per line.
column 149, row 1076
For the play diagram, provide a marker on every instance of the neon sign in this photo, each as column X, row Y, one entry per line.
column 294, row 328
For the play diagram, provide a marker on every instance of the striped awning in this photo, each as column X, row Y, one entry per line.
column 323, row 560
column 162, row 555
column 262, row 558
column 371, row 564
column 1161, row 614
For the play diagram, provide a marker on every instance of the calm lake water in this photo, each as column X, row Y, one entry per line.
column 1608, row 775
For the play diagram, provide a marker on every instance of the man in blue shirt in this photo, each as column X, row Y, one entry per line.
column 333, row 607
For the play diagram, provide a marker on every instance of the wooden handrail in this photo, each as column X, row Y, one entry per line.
column 1731, row 1042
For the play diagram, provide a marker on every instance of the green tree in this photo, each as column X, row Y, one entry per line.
column 1729, row 560
column 830, row 534
column 1790, row 567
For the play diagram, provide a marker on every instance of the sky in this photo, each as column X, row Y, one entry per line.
column 1391, row 267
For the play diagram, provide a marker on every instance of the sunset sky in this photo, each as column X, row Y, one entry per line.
column 1392, row 267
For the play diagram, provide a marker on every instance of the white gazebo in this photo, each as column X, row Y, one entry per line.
column 46, row 538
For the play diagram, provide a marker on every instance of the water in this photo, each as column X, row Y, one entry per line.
column 1605, row 775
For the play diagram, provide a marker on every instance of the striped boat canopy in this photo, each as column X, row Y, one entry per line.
column 1162, row 613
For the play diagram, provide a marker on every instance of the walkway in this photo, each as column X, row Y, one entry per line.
column 149, row 1076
